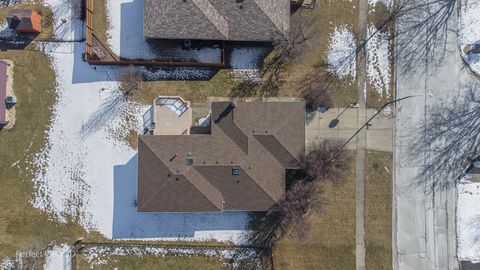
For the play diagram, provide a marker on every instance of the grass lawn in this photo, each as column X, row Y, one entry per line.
column 45, row 12
column 378, row 210
column 23, row 227
column 330, row 243
column 220, row 85
column 326, row 15
column 150, row 262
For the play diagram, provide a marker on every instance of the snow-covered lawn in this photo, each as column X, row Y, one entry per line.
column 341, row 54
column 379, row 67
column 98, row 256
column 387, row 3
column 468, row 221
column 87, row 172
column 469, row 31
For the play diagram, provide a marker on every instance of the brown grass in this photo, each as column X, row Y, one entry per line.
column 378, row 210
column 100, row 21
column 330, row 243
column 153, row 262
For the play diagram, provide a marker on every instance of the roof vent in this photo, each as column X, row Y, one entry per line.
column 235, row 171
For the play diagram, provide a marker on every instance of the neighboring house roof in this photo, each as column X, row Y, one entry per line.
column 258, row 139
column 244, row 20
column 24, row 20
column 3, row 92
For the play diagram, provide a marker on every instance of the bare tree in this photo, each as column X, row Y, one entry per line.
column 290, row 216
column 286, row 49
column 317, row 94
column 327, row 160
column 131, row 80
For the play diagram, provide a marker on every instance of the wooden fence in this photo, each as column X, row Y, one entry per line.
column 89, row 29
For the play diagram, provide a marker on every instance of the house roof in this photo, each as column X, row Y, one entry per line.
column 259, row 140
column 244, row 20
column 23, row 19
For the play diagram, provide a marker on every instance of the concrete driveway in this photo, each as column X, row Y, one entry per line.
column 379, row 133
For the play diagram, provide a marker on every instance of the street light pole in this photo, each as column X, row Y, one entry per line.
column 371, row 118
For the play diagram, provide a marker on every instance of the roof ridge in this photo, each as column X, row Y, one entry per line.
column 213, row 16
column 279, row 27
column 279, row 128
column 170, row 171
column 193, row 170
column 230, row 116
column 258, row 184
column 279, row 145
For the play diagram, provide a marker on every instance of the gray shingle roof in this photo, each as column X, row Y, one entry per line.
column 249, row 20
column 262, row 146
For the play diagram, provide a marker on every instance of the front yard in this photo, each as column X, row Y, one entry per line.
column 378, row 210
column 330, row 242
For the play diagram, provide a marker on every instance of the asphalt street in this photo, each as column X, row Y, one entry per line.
column 424, row 215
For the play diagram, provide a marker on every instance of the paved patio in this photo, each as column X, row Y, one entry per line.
column 172, row 116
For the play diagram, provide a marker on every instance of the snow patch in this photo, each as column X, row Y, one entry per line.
column 468, row 221
column 341, row 55
column 8, row 264
column 59, row 257
column 99, row 255
column 378, row 65
column 387, row 3
column 246, row 63
column 469, row 32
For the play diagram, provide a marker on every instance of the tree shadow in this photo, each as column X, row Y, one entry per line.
column 423, row 30
column 107, row 111
column 450, row 139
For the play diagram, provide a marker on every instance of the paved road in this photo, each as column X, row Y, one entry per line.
column 424, row 217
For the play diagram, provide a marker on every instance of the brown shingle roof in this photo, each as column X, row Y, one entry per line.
column 235, row 142
column 248, row 20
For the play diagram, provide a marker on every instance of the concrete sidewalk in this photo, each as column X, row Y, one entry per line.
column 379, row 134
